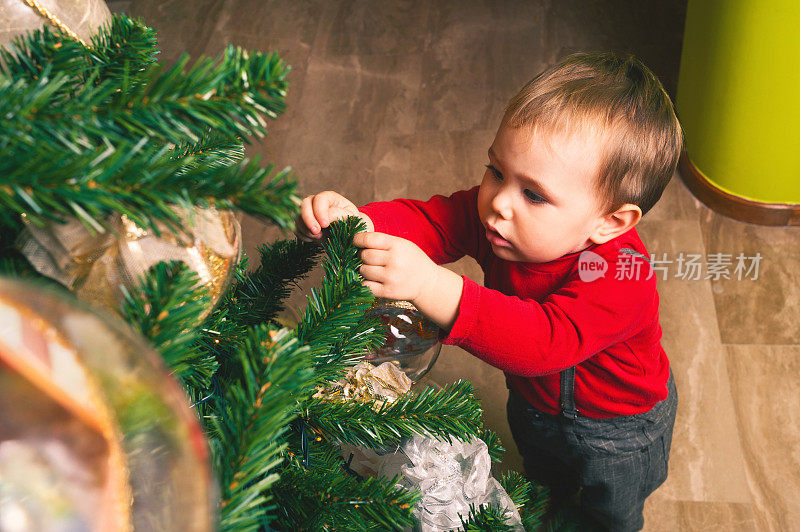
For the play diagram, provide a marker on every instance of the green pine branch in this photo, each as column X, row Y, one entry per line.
column 33, row 58
column 365, row 336
column 342, row 262
column 141, row 181
column 333, row 309
column 334, row 323
column 329, row 499
column 12, row 262
column 492, row 441
column 257, row 297
column 296, row 505
column 342, row 255
column 120, row 51
column 517, row 487
column 334, row 328
column 326, row 317
column 530, row 499
column 222, row 332
column 232, row 97
column 122, row 47
column 85, row 130
column 260, row 296
column 20, row 99
column 446, row 414
column 486, row 518
column 212, row 151
column 251, row 414
column 166, row 309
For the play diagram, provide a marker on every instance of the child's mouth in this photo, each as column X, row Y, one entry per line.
column 494, row 238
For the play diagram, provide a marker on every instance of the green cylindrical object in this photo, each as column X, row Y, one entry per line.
column 739, row 96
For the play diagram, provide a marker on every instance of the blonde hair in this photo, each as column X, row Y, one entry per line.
column 620, row 99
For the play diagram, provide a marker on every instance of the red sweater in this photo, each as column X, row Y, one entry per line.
column 533, row 320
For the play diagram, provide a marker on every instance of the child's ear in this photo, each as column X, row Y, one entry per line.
column 614, row 224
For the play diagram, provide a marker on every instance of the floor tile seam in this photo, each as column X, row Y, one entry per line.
column 748, row 507
column 693, row 207
column 736, row 418
column 717, row 338
column 714, row 303
column 764, row 509
column 734, row 344
column 711, row 500
column 751, row 483
column 718, row 346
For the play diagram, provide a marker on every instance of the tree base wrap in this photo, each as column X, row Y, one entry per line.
column 451, row 477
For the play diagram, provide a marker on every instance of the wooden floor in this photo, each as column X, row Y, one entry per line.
column 402, row 98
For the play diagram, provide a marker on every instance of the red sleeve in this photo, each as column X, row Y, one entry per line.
column 445, row 228
column 527, row 338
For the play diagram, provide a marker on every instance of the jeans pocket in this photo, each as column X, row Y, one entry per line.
column 662, row 408
column 525, row 426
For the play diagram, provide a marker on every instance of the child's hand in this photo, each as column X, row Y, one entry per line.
column 319, row 210
column 394, row 267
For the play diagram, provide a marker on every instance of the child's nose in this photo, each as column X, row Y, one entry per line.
column 501, row 203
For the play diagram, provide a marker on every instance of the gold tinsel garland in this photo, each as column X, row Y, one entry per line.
column 54, row 20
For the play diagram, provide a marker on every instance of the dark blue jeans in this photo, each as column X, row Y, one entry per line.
column 616, row 463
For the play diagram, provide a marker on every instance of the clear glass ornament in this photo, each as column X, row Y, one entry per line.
column 412, row 340
column 95, row 433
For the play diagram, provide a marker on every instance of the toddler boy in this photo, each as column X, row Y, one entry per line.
column 569, row 310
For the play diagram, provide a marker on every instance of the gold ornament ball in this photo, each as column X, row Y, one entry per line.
column 81, row 16
column 99, row 267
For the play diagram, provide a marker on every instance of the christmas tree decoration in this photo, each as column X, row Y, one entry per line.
column 102, row 267
column 453, row 477
column 365, row 382
column 82, row 16
column 412, row 340
column 95, row 434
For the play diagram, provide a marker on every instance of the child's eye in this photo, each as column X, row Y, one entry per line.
column 495, row 172
column 534, row 197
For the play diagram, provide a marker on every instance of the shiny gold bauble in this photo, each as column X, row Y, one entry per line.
column 98, row 267
column 95, row 434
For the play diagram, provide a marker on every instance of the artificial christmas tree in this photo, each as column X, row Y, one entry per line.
column 93, row 133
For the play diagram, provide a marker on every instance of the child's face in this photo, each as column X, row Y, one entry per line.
column 537, row 199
